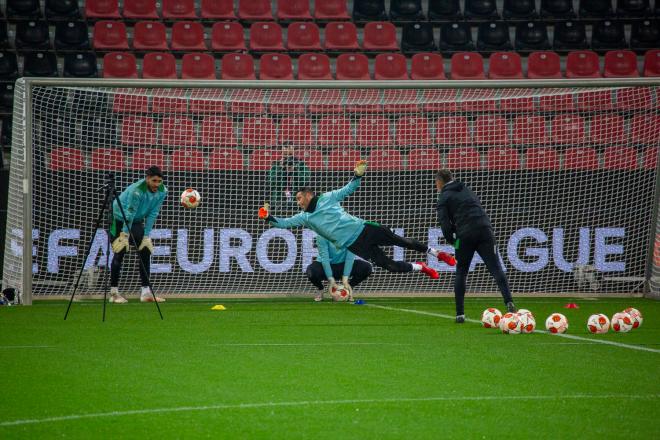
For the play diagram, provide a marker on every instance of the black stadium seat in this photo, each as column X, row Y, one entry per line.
column 595, row 8
column 417, row 37
column 633, row 8
column 645, row 34
column 493, row 36
column 557, row 9
column 23, row 9
column 80, row 65
column 369, row 10
column 62, row 9
column 71, row 35
column 456, row 37
column 409, row 10
column 444, row 10
column 32, row 35
column 570, row 35
column 481, row 9
column 519, row 9
column 40, row 64
column 532, row 36
column 8, row 66
column 608, row 35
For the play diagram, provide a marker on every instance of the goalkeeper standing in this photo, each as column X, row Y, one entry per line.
column 466, row 226
column 141, row 201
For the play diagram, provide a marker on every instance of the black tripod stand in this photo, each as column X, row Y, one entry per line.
column 110, row 194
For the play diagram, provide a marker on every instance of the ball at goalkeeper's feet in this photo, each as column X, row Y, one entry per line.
column 190, row 198
column 340, row 294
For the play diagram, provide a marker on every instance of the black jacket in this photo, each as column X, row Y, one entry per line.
column 460, row 211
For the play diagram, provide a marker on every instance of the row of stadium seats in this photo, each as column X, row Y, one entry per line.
column 340, row 159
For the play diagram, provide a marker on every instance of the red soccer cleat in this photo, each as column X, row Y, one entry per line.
column 447, row 258
column 428, row 271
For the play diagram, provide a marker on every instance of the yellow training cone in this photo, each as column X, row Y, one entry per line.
column 218, row 307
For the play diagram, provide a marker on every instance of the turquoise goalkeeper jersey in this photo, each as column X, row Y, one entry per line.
column 329, row 219
column 329, row 254
column 140, row 204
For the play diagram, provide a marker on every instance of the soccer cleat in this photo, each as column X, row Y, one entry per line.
column 447, row 258
column 319, row 297
column 460, row 319
column 150, row 299
column 511, row 307
column 117, row 299
column 428, row 271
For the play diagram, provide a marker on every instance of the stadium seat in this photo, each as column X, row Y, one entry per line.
column 373, row 131
column 262, row 160
column 143, row 158
column 595, row 8
column 569, row 35
column 303, row 36
column 541, row 65
column 80, row 65
column 580, row 158
column 645, row 34
column 188, row 35
column 442, row 10
column 502, row 159
column 597, row 100
column 519, row 9
column 204, row 101
column 541, row 158
column 71, row 35
column 517, row 100
column 427, row 66
column 138, row 130
column 198, row 66
column 4, row 36
column 652, row 63
column 119, row 65
column 406, row 10
column 353, row 66
column 226, row 159
column 66, row 159
column 217, row 130
column 110, row 35
column 633, row 98
column 331, row 10
column 424, row 159
column 254, row 10
column 187, row 159
column 481, row 9
column 456, row 36
column 149, row 35
column 169, row 101
column 23, row 9
column 363, row 101
column 452, row 130
column 312, row 157
column 140, row 10
column 343, row 159
column 286, row 102
column 413, row 131
column 644, row 129
column 532, row 35
column 633, row 8
column 385, row 159
column 340, row 36
column 275, row 67
column 295, row 131
column 179, row 10
column 129, row 103
column 237, row 66
column 620, row 64
column 467, row 65
column 217, row 10
column 380, row 36
column 493, row 36
column 390, row 66
column 650, row 158
column 7, row 97
column 608, row 35
column 567, row 130
column 40, row 64
column 607, row 129
column 505, row 65
column 400, row 101
column 259, row 132
column 266, row 36
column 463, row 158
column 293, row 10
column 369, row 10
column 247, row 101
column 417, row 37
column 178, row 130
column 159, row 65
column 107, row 159
column 557, row 102
column 491, row 130
column 8, row 66
column 32, row 35
column 102, row 9
column 324, row 101
column 334, row 130
column 478, row 100
column 313, row 66
column 529, row 130
column 582, row 64
column 620, row 158
column 227, row 36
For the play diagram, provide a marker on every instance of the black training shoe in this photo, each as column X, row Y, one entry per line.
column 511, row 307
column 460, row 319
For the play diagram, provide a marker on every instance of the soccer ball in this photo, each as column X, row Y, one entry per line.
column 491, row 317
column 598, row 323
column 340, row 294
column 525, row 312
column 636, row 316
column 622, row 322
column 556, row 323
column 511, row 324
column 190, row 198
column 527, row 322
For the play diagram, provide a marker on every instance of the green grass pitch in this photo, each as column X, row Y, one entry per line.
column 293, row 368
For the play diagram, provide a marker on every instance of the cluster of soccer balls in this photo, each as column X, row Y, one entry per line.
column 522, row 321
column 621, row 321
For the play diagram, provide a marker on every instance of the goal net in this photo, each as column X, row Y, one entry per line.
column 568, row 176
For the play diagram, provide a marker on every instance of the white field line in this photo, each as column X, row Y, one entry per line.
column 311, row 344
column 561, row 335
column 304, row 403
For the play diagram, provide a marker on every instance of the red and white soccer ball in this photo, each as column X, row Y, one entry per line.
column 598, row 323
column 510, row 324
column 556, row 323
column 527, row 321
column 190, row 198
column 491, row 317
column 622, row 322
column 636, row 316
column 340, row 294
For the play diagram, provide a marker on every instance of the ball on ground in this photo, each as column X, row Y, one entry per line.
column 598, row 323
column 556, row 323
column 491, row 317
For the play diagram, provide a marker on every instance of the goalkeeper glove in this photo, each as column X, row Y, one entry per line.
column 120, row 243
column 332, row 287
column 360, row 168
column 146, row 243
column 264, row 211
column 347, row 286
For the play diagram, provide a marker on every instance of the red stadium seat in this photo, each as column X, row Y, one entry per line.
column 463, row 158
column 334, row 130
column 293, row 10
column 390, row 66
column 331, row 10
column 217, row 131
column 517, row 100
column 502, row 158
column 400, row 101
column 303, row 36
column 557, row 100
column 187, row 159
column 595, row 100
column 66, row 159
column 424, row 159
column 380, row 36
column 352, row 66
column 204, row 101
column 129, row 103
column 254, row 10
column 363, row 101
column 140, row 9
column 262, row 160
column 138, row 130
column 259, row 132
column 467, row 65
column 452, row 130
column 478, row 100
column 102, row 9
column 427, row 66
column 312, row 66
column 652, row 62
column 110, row 35
column 607, row 129
column 119, row 65
column 275, row 67
column 620, row 158
column 312, row 157
column 580, row 158
column 620, row 64
column 529, row 130
column 413, row 131
column 198, row 66
column 107, row 159
column 440, row 100
column 226, row 159
column 295, row 131
column 143, row 158
column 343, row 159
column 324, row 101
column 650, row 158
column 179, row 9
column 169, row 101
column 373, row 131
column 645, row 129
column 159, row 65
column 541, row 158
column 543, row 65
column 286, row 102
column 266, row 36
column 633, row 98
column 188, row 35
column 491, row 130
column 149, row 35
column 582, row 64
column 237, row 66
column 227, row 36
column 341, row 36
column 246, row 101
column 217, row 9
column 385, row 159
column 505, row 65
column 178, row 130
column 567, row 130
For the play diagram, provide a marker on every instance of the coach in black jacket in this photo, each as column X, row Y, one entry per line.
column 466, row 226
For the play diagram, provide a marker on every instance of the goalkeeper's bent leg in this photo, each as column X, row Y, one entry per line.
column 487, row 252
column 115, row 268
column 315, row 274
column 361, row 271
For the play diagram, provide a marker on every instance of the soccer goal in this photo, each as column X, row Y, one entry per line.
column 567, row 170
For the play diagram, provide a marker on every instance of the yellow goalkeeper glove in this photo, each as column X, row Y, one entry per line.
column 146, row 243
column 360, row 168
column 120, row 243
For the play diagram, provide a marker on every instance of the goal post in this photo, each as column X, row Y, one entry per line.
column 567, row 170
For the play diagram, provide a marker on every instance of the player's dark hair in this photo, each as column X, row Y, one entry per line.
column 444, row 175
column 154, row 171
column 306, row 189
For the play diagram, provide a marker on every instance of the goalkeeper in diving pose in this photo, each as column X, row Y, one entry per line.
column 141, row 201
column 324, row 215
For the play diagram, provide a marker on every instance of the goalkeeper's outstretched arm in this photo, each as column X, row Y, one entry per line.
column 283, row 223
column 341, row 193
